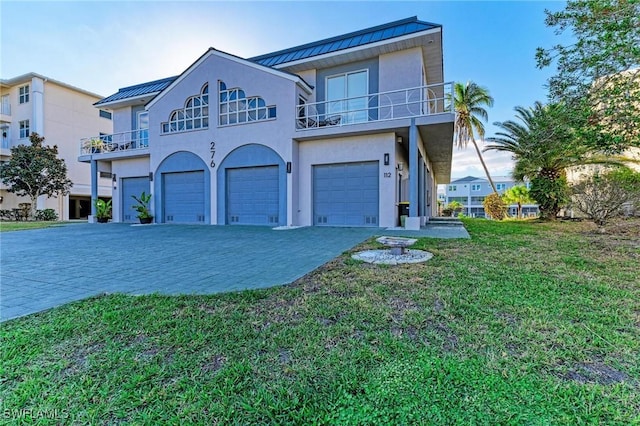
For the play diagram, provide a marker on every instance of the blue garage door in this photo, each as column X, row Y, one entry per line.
column 252, row 196
column 346, row 194
column 132, row 186
column 183, row 197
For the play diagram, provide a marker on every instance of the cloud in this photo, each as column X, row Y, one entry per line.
column 466, row 163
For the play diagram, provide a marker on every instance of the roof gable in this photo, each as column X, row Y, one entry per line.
column 355, row 39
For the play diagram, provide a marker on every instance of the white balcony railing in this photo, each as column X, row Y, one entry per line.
column 391, row 105
column 123, row 141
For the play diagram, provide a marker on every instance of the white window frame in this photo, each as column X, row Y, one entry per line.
column 23, row 94
column 25, row 129
column 452, row 188
column 476, row 187
column 501, row 186
column 345, row 113
column 242, row 109
column 191, row 116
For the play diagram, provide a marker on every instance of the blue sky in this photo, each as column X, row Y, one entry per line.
column 102, row 46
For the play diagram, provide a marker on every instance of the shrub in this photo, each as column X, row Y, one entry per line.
column 601, row 197
column 551, row 193
column 46, row 215
column 494, row 206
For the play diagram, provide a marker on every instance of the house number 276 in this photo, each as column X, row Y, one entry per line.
column 212, row 148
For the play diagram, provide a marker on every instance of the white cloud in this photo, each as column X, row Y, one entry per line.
column 466, row 163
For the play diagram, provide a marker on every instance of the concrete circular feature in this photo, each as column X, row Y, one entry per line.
column 386, row 257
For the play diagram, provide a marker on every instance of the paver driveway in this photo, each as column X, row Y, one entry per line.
column 44, row 268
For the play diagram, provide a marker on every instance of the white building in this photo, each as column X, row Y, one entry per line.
column 331, row 133
column 471, row 191
column 62, row 114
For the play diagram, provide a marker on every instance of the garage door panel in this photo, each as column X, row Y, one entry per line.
column 253, row 196
column 132, row 186
column 183, row 197
column 346, row 194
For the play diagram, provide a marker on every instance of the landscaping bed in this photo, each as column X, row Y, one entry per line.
column 527, row 322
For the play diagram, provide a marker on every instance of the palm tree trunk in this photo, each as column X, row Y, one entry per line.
column 493, row 186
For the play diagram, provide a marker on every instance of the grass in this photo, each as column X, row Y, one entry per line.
column 6, row 226
column 526, row 323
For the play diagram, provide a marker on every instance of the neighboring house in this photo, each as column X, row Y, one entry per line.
column 471, row 191
column 62, row 114
column 331, row 133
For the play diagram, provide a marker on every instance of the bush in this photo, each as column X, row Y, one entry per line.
column 494, row 206
column 551, row 194
column 46, row 215
column 601, row 197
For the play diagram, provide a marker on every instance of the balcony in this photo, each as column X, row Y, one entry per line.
column 384, row 106
column 124, row 142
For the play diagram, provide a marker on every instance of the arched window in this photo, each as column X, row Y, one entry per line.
column 194, row 115
column 236, row 107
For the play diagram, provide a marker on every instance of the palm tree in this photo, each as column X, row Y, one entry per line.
column 469, row 101
column 544, row 145
column 518, row 195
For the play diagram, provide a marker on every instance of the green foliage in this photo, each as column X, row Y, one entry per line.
column 452, row 208
column 46, row 215
column 603, row 196
column 143, row 206
column 598, row 76
column 469, row 101
column 494, row 206
column 103, row 209
column 35, row 170
column 519, row 195
column 551, row 192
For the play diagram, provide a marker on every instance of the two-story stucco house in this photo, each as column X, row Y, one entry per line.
column 330, row 133
column 62, row 114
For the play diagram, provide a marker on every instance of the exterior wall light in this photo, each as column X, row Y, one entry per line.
column 386, row 159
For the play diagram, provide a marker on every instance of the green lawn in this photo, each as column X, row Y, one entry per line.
column 526, row 323
column 6, row 226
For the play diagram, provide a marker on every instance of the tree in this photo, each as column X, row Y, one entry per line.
column 544, row 145
column 603, row 196
column 598, row 76
column 469, row 101
column 35, row 170
column 519, row 195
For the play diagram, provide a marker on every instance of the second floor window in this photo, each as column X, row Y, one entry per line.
column 452, row 188
column 475, row 187
column 24, row 129
column 194, row 115
column 236, row 107
column 501, row 186
column 347, row 96
column 23, row 94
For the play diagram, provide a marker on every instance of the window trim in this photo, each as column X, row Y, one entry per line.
column 26, row 130
column 476, row 187
column 260, row 110
column 178, row 121
column 23, row 94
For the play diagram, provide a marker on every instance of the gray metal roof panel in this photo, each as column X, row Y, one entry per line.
column 334, row 44
column 138, row 90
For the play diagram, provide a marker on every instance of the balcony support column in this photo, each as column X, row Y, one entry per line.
column 94, row 189
column 413, row 221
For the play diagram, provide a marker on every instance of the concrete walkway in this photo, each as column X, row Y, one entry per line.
column 44, row 268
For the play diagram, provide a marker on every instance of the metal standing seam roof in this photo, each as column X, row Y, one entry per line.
column 359, row 38
column 138, row 90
